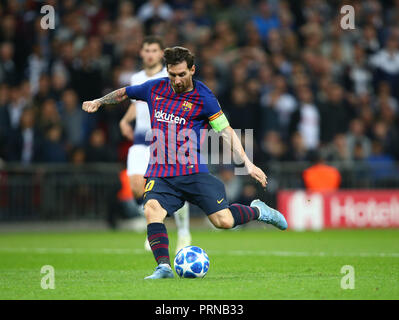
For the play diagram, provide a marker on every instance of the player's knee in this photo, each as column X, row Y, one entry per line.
column 150, row 208
column 153, row 211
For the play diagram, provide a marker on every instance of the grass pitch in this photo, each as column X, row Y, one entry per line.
column 244, row 264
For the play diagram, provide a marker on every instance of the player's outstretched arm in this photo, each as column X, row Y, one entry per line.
column 230, row 137
column 114, row 97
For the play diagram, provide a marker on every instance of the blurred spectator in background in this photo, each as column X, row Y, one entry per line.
column 306, row 119
column 16, row 106
column 97, row 150
column 48, row 115
column 265, row 19
column 358, row 76
column 266, row 76
column 297, row 150
column 72, row 118
column 198, row 15
column 381, row 164
column 239, row 14
column 127, row 20
column 334, row 114
column 278, row 106
column 272, row 147
column 8, row 71
column 126, row 71
column 387, row 136
column 86, row 76
column 320, row 176
column 370, row 41
column 5, row 123
column 241, row 112
column 25, row 142
column 153, row 12
column 43, row 91
column 337, row 150
column 360, row 157
column 386, row 63
column 384, row 99
column 359, row 145
column 233, row 184
column 77, row 156
column 53, row 148
column 37, row 65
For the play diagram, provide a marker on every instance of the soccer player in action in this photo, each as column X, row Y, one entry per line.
column 180, row 107
column 139, row 153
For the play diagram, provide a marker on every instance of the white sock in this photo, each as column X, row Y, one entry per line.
column 182, row 218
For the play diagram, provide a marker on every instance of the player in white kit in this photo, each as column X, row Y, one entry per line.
column 139, row 153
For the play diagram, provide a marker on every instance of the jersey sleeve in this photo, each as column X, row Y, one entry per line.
column 213, row 111
column 138, row 92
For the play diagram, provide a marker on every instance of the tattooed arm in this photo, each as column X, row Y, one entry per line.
column 114, row 97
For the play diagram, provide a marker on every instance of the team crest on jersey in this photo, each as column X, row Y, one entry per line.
column 187, row 106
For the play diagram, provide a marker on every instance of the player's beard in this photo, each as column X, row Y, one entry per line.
column 183, row 88
column 179, row 89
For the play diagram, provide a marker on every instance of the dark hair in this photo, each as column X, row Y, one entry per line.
column 151, row 40
column 177, row 55
column 315, row 156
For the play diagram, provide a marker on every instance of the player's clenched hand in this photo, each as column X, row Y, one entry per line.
column 91, row 106
column 257, row 174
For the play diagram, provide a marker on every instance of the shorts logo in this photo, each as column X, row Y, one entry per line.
column 187, row 106
column 220, row 201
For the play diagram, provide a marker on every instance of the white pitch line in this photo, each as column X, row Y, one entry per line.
column 73, row 250
column 308, row 254
column 211, row 252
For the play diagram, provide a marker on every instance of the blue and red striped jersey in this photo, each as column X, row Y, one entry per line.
column 176, row 123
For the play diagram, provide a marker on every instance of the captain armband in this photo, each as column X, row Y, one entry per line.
column 218, row 121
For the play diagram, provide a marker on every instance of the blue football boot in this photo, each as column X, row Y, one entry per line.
column 161, row 272
column 269, row 215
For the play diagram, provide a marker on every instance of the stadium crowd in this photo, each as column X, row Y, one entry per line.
column 283, row 68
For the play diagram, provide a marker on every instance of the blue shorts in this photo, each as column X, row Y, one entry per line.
column 202, row 189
